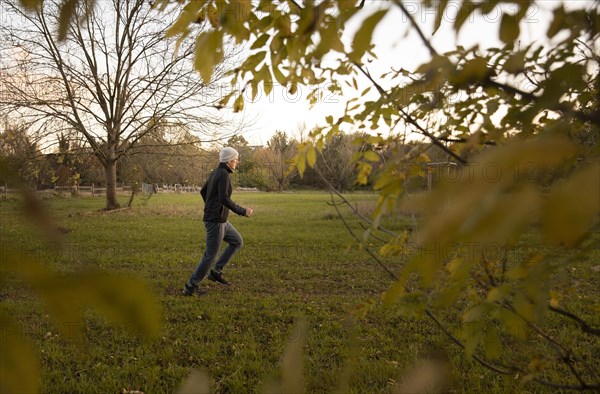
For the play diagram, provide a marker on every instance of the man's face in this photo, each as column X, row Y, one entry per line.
column 234, row 163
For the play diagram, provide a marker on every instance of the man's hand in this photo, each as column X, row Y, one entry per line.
column 249, row 212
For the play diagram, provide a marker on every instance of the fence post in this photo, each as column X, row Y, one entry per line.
column 6, row 190
column 92, row 189
column 429, row 180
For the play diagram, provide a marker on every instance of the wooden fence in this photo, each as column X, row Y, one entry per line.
column 94, row 190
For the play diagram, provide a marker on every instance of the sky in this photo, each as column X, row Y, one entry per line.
column 397, row 46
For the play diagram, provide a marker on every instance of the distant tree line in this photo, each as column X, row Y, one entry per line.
column 168, row 157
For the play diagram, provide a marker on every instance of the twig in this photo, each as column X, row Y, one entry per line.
column 345, row 201
column 502, row 369
column 410, row 119
column 585, row 327
column 381, row 264
column 417, row 28
column 506, row 371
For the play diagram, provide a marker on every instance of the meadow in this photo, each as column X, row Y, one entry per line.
column 298, row 263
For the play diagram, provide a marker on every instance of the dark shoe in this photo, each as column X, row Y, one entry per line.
column 217, row 277
column 189, row 290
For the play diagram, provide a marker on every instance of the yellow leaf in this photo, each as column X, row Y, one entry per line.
column 125, row 300
column 513, row 324
column 188, row 15
column 466, row 9
column 260, row 41
column 300, row 162
column 292, row 362
column 67, row 11
column 330, row 39
column 478, row 192
column 362, row 309
column 238, row 104
column 196, row 382
column 253, row 61
column 362, row 38
column 572, row 207
column 30, row 5
column 558, row 22
column 311, row 156
column 498, row 293
column 441, row 8
column 209, row 52
column 509, row 29
column 473, row 71
column 371, row 156
column 279, row 76
column 492, row 343
column 19, row 366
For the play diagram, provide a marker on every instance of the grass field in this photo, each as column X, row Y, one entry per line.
column 298, row 262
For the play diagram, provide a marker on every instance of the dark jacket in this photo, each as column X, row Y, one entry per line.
column 216, row 194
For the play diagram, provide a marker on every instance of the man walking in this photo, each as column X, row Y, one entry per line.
column 216, row 194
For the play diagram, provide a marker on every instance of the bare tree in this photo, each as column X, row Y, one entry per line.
column 277, row 159
column 337, row 161
column 112, row 80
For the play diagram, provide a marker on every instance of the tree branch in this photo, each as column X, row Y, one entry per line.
column 585, row 327
column 410, row 119
column 414, row 24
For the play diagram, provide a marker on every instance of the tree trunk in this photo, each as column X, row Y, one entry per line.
column 111, row 186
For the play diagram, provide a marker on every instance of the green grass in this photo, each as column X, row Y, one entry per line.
column 297, row 262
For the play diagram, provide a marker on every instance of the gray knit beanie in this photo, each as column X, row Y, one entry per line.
column 227, row 154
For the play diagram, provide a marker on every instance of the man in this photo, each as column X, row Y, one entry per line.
column 216, row 194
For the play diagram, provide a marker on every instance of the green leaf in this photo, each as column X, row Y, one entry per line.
column 509, row 29
column 362, row 38
column 209, row 52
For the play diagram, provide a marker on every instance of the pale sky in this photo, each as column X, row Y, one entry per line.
column 395, row 48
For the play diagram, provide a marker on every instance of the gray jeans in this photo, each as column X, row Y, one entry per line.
column 216, row 233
